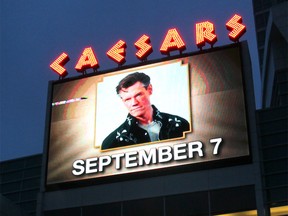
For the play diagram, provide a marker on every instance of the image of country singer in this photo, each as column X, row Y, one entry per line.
column 144, row 123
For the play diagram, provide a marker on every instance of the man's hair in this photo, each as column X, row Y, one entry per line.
column 131, row 79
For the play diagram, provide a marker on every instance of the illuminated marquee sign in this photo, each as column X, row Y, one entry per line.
column 205, row 33
column 58, row 64
column 199, row 114
column 87, row 60
column 236, row 27
column 144, row 47
column 118, row 52
column 172, row 41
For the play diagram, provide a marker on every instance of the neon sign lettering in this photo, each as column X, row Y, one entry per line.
column 118, row 52
column 58, row 64
column 145, row 49
column 205, row 33
column 87, row 60
column 236, row 27
column 172, row 41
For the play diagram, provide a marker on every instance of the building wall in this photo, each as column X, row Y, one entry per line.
column 20, row 182
column 195, row 203
column 261, row 13
column 8, row 208
column 275, row 67
column 273, row 136
column 272, row 37
column 272, row 34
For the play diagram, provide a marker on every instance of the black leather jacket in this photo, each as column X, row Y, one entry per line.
column 129, row 133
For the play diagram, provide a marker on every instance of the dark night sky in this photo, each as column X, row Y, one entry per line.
column 34, row 33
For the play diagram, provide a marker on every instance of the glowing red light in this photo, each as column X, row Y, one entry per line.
column 145, row 49
column 236, row 27
column 58, row 64
column 205, row 32
column 118, row 52
column 87, row 60
column 172, row 41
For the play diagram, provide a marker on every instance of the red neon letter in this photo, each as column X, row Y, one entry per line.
column 118, row 52
column 145, row 49
column 87, row 60
column 58, row 64
column 205, row 32
column 172, row 42
column 237, row 29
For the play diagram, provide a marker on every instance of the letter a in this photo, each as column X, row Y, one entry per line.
column 172, row 41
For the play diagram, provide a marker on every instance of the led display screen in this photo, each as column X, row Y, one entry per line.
column 176, row 113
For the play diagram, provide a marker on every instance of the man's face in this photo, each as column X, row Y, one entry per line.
column 136, row 98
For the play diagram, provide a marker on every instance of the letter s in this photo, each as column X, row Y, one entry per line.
column 78, row 167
